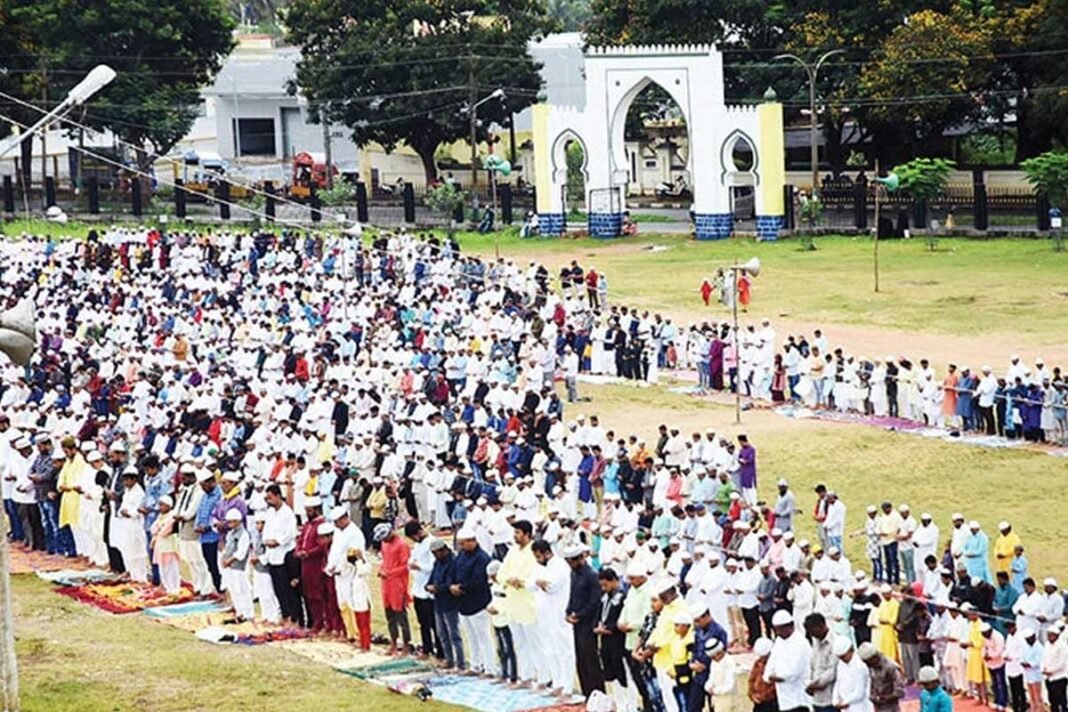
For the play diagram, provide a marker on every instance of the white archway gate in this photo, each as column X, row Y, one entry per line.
column 693, row 76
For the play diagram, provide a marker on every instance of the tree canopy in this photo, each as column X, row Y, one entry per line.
column 911, row 68
column 164, row 52
column 398, row 71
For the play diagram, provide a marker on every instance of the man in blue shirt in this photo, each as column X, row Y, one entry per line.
column 209, row 537
column 704, row 630
column 446, row 613
column 933, row 698
column 472, row 591
column 156, row 486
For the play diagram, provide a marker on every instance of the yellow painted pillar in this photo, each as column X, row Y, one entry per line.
column 770, row 207
column 543, row 177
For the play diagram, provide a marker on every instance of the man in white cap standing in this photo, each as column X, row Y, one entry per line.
column 958, row 536
column 1051, row 606
column 552, row 641
column 925, row 538
column 788, row 664
column 785, row 507
column 583, row 612
column 235, row 573
column 189, row 550
column 279, row 541
column 905, row 545
column 347, row 538
column 835, row 520
column 852, row 680
column 1055, row 668
column 1005, row 547
column 471, row 589
column 986, row 392
column 976, row 553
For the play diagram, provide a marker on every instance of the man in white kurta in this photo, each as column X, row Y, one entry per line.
column 852, row 682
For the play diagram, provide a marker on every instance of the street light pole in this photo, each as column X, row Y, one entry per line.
column 737, row 353
column 98, row 78
column 472, row 117
column 812, row 70
column 94, row 81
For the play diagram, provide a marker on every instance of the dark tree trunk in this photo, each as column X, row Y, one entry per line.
column 430, row 167
column 834, row 151
column 26, row 151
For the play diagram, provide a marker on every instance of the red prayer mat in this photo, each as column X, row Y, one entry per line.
column 126, row 597
column 960, row 704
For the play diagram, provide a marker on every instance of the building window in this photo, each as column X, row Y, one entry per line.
column 254, row 137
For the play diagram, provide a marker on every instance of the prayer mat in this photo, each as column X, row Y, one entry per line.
column 125, row 597
column 273, row 636
column 342, row 656
column 486, row 695
column 222, row 618
column 186, row 609
column 577, row 707
column 75, row 577
column 31, row 562
column 249, row 634
column 413, row 688
column 391, row 668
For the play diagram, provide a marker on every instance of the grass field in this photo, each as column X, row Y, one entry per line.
column 74, row 657
column 866, row 465
column 973, row 299
column 965, row 287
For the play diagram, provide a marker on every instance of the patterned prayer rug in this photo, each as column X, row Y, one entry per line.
column 125, row 597
column 391, row 668
column 75, row 577
column 487, row 695
column 30, row 562
column 342, row 656
column 181, row 610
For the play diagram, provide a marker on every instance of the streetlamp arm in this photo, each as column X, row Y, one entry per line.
column 824, row 57
column 794, row 58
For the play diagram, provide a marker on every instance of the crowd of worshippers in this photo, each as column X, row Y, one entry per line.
column 1021, row 403
column 247, row 410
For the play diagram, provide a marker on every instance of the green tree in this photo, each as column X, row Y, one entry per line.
column 163, row 51
column 936, row 60
column 568, row 15
column 616, row 22
column 402, row 71
column 1048, row 174
column 444, row 200
column 924, row 179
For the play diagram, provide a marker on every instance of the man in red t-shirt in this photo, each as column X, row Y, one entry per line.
column 591, row 288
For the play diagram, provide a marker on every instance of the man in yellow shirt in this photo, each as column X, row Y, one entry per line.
column 889, row 525
column 70, row 477
column 885, row 638
column 1005, row 548
column 659, row 645
column 517, row 573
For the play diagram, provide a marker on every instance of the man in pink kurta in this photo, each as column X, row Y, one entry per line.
column 395, row 588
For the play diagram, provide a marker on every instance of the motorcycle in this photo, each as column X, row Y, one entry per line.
column 678, row 189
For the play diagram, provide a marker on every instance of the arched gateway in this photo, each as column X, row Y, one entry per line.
column 693, row 76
